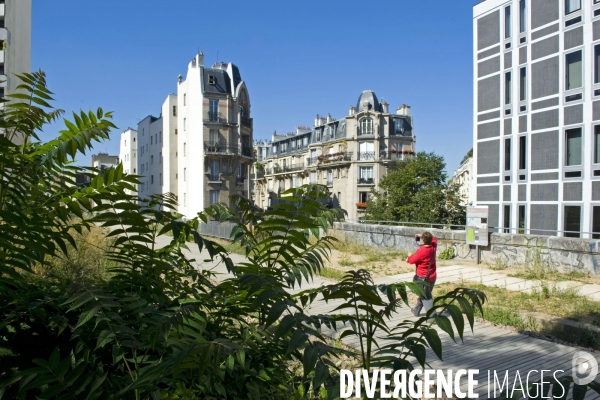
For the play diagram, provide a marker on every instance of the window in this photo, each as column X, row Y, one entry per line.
column 507, row 22
column 155, row 138
column 213, row 136
column 597, row 144
column 283, row 147
column 365, row 175
column 184, row 174
column 184, row 151
column 213, row 109
column 363, row 197
column 329, row 177
column 152, row 179
column 366, row 126
column 184, row 99
column 305, row 141
column 160, row 177
column 523, row 84
column 596, row 222
column 507, row 87
column 125, row 142
column 160, row 157
column 151, row 160
column 212, row 80
column 522, row 219
column 572, row 221
column 597, row 64
column 313, row 177
column 339, row 199
column 176, row 131
column 573, row 147
column 507, row 154
column 184, row 196
column 174, row 111
column 215, row 167
column 366, row 151
column 506, row 219
column 151, row 140
column 572, row 6
column 522, row 152
column 522, row 16
column 573, row 70
column 184, row 124
column 214, row 197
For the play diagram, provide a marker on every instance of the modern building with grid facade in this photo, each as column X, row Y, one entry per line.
column 349, row 155
column 200, row 147
column 537, row 115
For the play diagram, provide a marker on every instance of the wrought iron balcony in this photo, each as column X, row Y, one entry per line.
column 311, row 162
column 399, row 155
column 247, row 151
column 213, row 116
column 366, row 181
column 214, row 178
column 366, row 155
column 240, row 179
column 335, row 158
column 219, row 147
column 246, row 121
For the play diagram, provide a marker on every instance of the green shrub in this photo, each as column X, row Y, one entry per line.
column 446, row 254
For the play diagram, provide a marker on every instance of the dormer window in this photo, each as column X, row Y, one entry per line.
column 212, row 80
column 366, row 126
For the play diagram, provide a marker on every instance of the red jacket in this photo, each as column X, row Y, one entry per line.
column 421, row 260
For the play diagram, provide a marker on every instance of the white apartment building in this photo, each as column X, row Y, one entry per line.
column 104, row 161
column 15, row 37
column 537, row 115
column 128, row 151
column 463, row 176
column 199, row 148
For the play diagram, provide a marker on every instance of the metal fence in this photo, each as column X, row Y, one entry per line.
column 216, row 229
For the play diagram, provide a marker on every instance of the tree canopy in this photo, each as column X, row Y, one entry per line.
column 417, row 190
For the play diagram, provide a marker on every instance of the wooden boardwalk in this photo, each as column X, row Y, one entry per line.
column 488, row 348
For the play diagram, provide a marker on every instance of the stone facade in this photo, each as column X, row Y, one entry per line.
column 507, row 249
column 349, row 155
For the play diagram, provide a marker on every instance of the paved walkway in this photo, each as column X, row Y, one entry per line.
column 488, row 277
column 487, row 349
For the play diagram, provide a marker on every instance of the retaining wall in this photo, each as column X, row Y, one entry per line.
column 509, row 249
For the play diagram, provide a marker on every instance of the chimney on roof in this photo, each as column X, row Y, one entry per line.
column 328, row 118
column 200, row 59
column 352, row 110
column 404, row 109
column 384, row 107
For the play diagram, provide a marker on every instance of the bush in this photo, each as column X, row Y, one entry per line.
column 446, row 254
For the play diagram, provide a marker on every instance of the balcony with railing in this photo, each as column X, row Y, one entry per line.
column 332, row 158
column 220, row 147
column 398, row 155
column 240, row 180
column 214, row 178
column 246, row 121
column 247, row 151
column 312, row 161
column 366, row 155
column 284, row 170
column 214, row 117
column 366, row 181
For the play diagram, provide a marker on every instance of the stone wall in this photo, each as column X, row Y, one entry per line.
column 506, row 249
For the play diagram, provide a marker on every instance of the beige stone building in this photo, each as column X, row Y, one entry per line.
column 349, row 155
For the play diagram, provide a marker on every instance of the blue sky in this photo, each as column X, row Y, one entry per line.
column 298, row 59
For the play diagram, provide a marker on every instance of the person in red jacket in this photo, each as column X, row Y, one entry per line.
column 425, row 270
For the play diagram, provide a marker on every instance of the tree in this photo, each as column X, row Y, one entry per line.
column 417, row 191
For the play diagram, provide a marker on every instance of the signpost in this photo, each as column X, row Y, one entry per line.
column 477, row 227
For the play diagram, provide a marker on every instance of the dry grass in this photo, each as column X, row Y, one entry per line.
column 88, row 260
